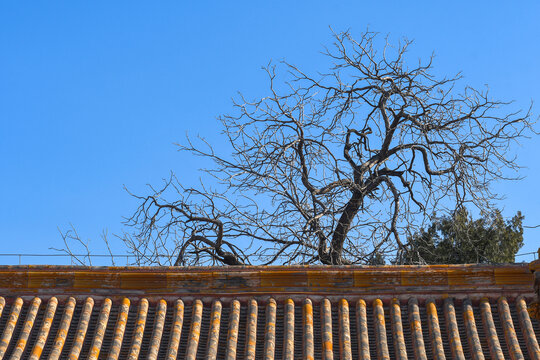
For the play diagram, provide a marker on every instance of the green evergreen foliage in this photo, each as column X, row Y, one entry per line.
column 458, row 239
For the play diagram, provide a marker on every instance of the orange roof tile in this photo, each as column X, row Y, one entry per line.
column 387, row 312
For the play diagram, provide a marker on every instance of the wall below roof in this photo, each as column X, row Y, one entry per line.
column 385, row 282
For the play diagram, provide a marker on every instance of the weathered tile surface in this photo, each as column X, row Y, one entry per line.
column 442, row 312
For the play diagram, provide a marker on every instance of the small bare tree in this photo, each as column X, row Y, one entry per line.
column 334, row 168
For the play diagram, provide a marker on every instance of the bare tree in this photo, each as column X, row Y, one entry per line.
column 334, row 168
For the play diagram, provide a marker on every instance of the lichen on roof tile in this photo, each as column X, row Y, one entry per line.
column 91, row 315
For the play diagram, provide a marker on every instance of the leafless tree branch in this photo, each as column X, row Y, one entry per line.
column 332, row 168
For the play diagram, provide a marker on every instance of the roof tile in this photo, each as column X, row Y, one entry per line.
column 419, row 320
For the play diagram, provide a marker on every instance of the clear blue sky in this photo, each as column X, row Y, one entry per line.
column 94, row 94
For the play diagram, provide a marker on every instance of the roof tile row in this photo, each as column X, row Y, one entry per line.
column 267, row 330
column 387, row 312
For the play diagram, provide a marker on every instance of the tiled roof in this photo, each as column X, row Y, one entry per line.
column 388, row 312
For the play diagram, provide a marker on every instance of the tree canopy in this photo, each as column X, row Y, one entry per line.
column 338, row 167
column 458, row 239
